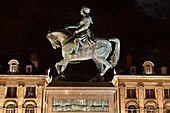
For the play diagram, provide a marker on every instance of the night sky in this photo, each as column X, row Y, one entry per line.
column 143, row 26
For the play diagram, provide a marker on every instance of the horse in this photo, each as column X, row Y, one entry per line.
column 99, row 51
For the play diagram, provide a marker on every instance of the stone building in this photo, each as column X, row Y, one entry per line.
column 144, row 93
column 22, row 92
column 25, row 89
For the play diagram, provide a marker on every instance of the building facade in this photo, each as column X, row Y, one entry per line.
column 147, row 92
column 22, row 93
column 142, row 94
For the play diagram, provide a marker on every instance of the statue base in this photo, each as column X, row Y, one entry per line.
column 80, row 97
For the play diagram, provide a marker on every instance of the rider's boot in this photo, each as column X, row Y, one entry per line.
column 76, row 47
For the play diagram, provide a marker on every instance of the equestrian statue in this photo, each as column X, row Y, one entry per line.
column 82, row 45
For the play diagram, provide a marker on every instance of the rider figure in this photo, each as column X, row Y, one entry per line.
column 83, row 27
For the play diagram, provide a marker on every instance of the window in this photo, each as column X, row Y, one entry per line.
column 11, row 92
column 150, row 93
column 131, row 109
column 10, row 109
column 30, row 92
column 151, row 109
column 163, row 70
column 29, row 108
column 131, row 93
column 13, row 66
column 148, row 67
column 167, row 110
column 133, row 69
column 167, row 93
column 28, row 68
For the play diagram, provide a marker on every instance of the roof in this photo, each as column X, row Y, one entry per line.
column 23, row 61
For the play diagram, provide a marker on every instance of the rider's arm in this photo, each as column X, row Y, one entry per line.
column 76, row 26
column 85, row 25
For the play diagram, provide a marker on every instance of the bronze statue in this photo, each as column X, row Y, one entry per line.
column 83, row 34
column 98, row 51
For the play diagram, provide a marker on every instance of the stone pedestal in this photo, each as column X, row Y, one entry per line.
column 80, row 97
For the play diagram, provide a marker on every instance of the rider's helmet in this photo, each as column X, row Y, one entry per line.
column 85, row 9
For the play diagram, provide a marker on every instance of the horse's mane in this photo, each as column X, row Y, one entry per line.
column 67, row 32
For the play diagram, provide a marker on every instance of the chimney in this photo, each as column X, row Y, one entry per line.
column 129, row 60
column 34, row 58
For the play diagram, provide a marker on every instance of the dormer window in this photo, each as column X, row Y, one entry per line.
column 148, row 67
column 132, row 69
column 28, row 68
column 163, row 70
column 13, row 66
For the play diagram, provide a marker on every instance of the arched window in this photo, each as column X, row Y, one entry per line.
column 10, row 108
column 13, row 66
column 29, row 108
column 167, row 108
column 131, row 109
column 151, row 109
column 148, row 67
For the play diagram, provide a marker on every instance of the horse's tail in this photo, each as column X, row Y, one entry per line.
column 115, row 56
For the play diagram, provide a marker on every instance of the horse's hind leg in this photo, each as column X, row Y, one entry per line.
column 99, row 65
column 105, row 63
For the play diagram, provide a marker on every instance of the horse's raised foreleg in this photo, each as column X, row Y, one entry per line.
column 63, row 63
column 105, row 63
column 57, row 66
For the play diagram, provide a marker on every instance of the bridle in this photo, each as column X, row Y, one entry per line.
column 53, row 38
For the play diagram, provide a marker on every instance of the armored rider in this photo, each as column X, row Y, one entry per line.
column 82, row 32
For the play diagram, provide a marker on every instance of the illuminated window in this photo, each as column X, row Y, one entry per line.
column 133, row 69
column 28, row 68
column 29, row 108
column 163, row 70
column 13, row 66
column 131, row 109
column 10, row 109
column 150, row 93
column 167, row 93
column 167, row 109
column 151, row 109
column 131, row 93
column 148, row 67
column 11, row 92
column 30, row 92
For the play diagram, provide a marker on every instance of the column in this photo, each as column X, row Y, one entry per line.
column 20, row 97
column 141, row 98
column 39, row 99
column 160, row 98
column 2, row 97
column 122, row 98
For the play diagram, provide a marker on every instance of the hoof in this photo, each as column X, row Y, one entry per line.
column 62, row 75
column 101, row 74
column 101, row 78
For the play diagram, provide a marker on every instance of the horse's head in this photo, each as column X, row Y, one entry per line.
column 53, row 40
column 58, row 36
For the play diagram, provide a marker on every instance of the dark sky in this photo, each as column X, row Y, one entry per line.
column 143, row 26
